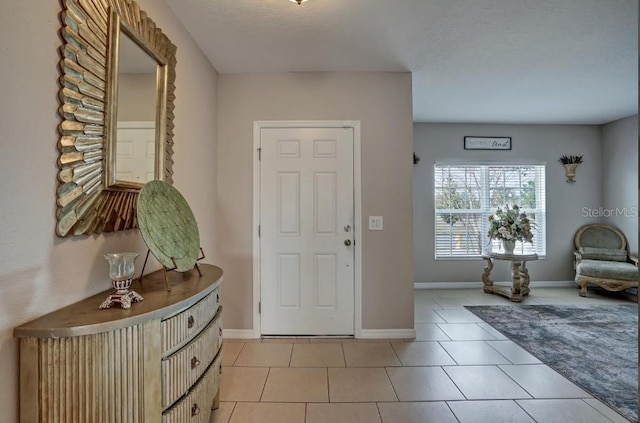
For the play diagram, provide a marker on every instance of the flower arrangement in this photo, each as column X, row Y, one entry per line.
column 510, row 224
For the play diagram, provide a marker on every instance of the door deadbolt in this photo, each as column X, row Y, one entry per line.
column 347, row 228
column 347, row 242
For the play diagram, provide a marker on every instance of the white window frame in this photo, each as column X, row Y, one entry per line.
column 539, row 238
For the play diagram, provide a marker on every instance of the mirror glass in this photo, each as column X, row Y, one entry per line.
column 135, row 114
column 117, row 76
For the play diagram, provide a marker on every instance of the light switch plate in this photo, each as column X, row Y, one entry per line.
column 375, row 223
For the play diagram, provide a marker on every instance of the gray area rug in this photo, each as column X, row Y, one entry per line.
column 594, row 346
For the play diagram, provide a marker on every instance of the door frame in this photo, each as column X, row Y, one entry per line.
column 357, row 208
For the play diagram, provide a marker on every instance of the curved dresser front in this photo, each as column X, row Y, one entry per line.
column 160, row 361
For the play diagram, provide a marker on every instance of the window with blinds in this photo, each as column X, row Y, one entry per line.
column 465, row 196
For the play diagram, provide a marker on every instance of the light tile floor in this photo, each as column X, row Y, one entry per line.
column 458, row 369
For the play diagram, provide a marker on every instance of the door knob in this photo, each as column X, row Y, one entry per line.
column 347, row 242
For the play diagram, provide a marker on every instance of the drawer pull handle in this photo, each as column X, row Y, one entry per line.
column 220, row 331
column 190, row 322
column 217, row 298
column 220, row 370
column 195, row 362
column 195, row 410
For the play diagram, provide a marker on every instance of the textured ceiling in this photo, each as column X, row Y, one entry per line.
column 493, row 61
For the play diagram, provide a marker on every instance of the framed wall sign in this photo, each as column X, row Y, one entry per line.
column 487, row 143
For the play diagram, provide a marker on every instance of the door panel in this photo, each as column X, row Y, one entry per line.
column 306, row 214
column 325, row 281
column 289, row 281
column 136, row 152
column 325, row 204
column 288, row 204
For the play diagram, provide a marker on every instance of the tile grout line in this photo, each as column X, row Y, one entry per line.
column 396, row 354
column 328, row 388
column 386, row 372
column 378, row 408
column 233, row 409
column 344, row 356
column 505, row 357
column 525, row 411
column 583, row 400
column 486, row 331
column 443, row 332
column 238, row 356
column 455, row 416
column 514, row 381
column 454, row 382
column 265, row 384
column 449, row 354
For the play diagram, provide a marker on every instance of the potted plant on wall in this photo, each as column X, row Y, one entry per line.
column 570, row 164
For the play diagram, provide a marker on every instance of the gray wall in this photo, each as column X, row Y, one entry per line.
column 620, row 177
column 382, row 102
column 538, row 143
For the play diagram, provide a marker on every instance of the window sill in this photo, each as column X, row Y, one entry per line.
column 472, row 258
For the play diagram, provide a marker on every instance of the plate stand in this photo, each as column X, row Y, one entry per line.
column 167, row 269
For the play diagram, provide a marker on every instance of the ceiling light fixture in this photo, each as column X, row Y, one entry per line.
column 298, row 1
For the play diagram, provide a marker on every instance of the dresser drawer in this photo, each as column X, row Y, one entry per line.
column 196, row 406
column 183, row 368
column 178, row 329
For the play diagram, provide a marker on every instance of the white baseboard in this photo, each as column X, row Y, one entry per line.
column 364, row 334
column 387, row 334
column 468, row 285
column 238, row 334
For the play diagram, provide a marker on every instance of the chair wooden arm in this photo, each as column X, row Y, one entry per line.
column 578, row 259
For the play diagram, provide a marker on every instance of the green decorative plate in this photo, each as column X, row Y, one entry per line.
column 168, row 226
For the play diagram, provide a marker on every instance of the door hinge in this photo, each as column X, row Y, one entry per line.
column 260, row 307
column 259, row 153
column 258, row 231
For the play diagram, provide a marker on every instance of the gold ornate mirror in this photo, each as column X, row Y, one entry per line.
column 98, row 187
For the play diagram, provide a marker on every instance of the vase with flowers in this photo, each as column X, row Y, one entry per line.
column 510, row 225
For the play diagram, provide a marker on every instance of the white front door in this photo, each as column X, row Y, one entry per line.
column 306, row 231
column 136, row 151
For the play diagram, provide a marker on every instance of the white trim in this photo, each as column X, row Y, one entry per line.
column 387, row 334
column 357, row 211
column 358, row 228
column 467, row 285
column 238, row 334
column 474, row 258
column 505, row 162
column 256, row 225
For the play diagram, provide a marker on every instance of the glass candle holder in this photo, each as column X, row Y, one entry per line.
column 121, row 270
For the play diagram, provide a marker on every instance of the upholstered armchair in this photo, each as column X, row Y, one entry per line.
column 602, row 257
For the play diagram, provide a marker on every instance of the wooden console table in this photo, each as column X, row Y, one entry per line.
column 519, row 274
column 159, row 361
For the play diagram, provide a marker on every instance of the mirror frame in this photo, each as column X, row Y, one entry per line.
column 86, row 202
